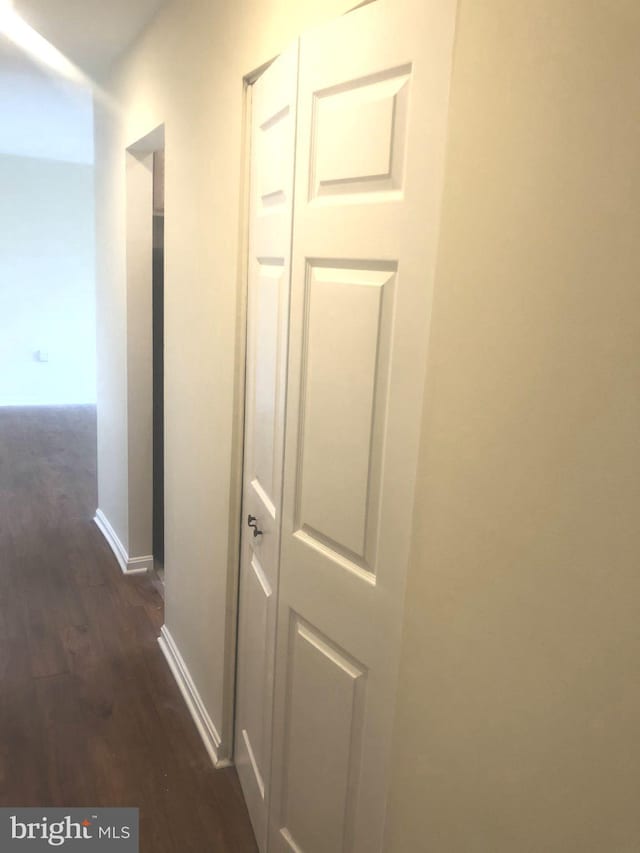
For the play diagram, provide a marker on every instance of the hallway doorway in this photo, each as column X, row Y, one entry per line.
column 145, row 353
column 158, row 361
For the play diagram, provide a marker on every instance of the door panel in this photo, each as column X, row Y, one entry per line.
column 271, row 209
column 270, row 288
column 319, row 808
column 372, row 107
column 345, row 348
column 358, row 137
column 257, row 601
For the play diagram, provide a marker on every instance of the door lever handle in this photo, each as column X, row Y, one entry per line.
column 252, row 521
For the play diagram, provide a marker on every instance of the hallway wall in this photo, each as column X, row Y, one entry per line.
column 518, row 702
column 44, row 117
column 519, row 705
column 186, row 72
column 47, row 280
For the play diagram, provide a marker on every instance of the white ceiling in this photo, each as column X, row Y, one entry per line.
column 92, row 33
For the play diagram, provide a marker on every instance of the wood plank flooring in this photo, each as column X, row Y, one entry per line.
column 89, row 712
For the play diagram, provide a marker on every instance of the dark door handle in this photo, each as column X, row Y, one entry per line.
column 252, row 521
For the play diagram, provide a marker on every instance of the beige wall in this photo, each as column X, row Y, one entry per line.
column 187, row 72
column 518, row 706
column 111, row 316
column 47, row 278
column 519, row 709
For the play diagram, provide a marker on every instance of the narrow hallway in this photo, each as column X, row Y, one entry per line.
column 89, row 712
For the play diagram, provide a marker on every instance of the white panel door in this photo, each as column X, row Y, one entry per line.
column 271, row 210
column 372, row 111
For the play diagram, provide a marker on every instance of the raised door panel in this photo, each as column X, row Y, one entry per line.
column 267, row 330
column 325, row 704
column 256, row 600
column 358, row 136
column 273, row 175
column 345, row 372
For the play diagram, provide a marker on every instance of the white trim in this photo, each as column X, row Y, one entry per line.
column 129, row 565
column 201, row 718
column 139, row 565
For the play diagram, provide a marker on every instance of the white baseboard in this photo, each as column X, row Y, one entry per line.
column 201, row 718
column 129, row 565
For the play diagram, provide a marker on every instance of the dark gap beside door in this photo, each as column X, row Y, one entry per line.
column 158, row 359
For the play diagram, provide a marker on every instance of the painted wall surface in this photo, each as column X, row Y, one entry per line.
column 111, row 327
column 519, row 708
column 518, row 701
column 43, row 116
column 187, row 72
column 47, row 281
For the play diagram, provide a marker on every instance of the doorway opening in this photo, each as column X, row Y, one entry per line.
column 145, row 352
column 158, row 361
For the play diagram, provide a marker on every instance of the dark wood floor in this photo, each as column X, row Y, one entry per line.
column 89, row 713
